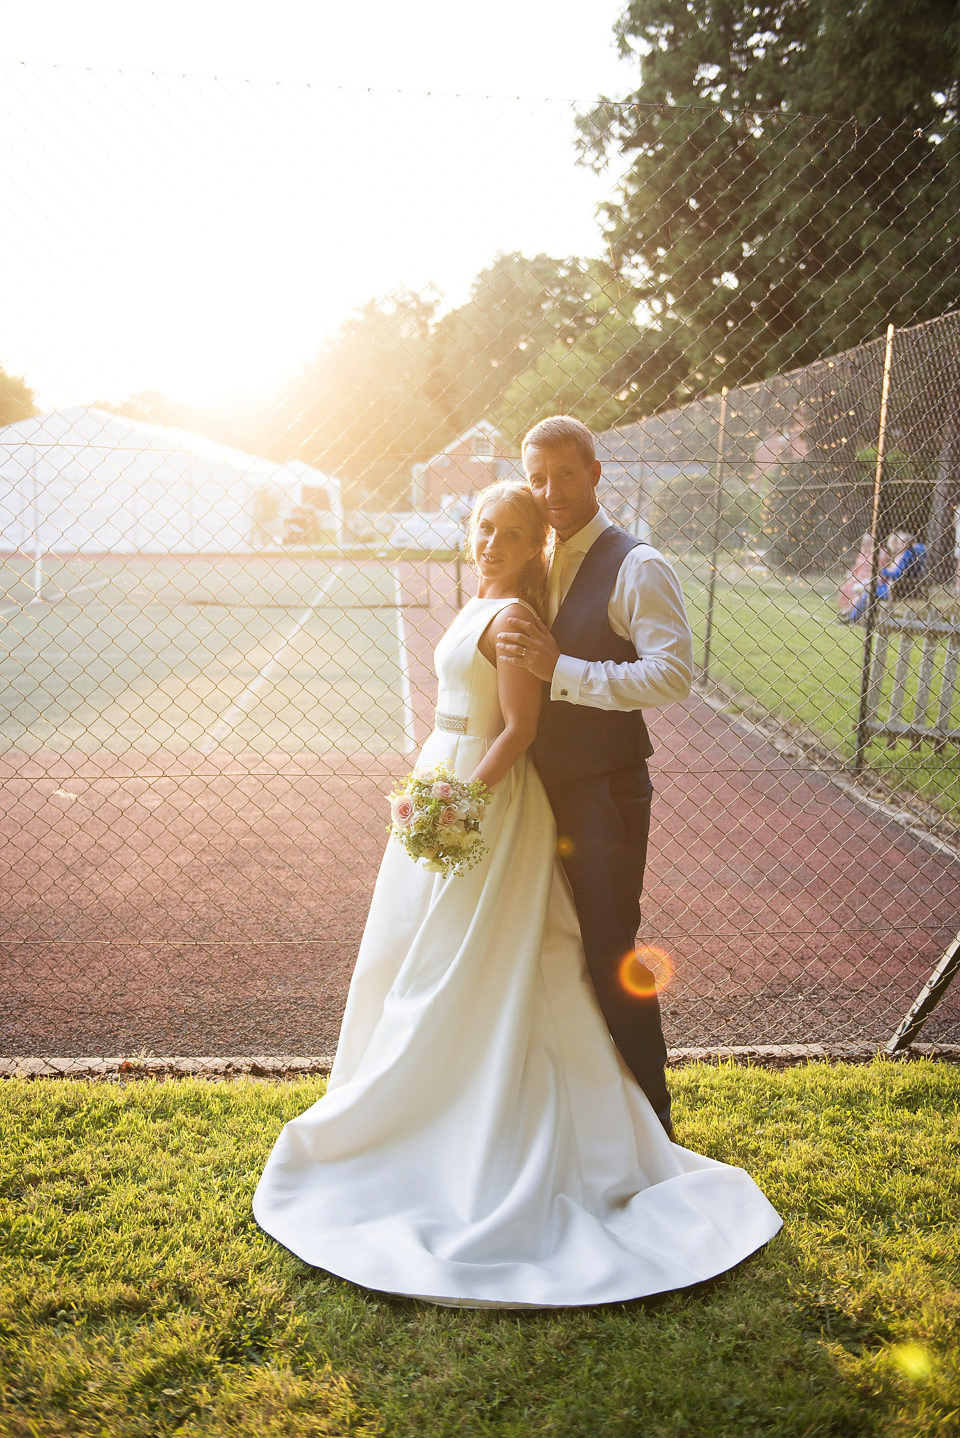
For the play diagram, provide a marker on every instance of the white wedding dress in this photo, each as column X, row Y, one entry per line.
column 480, row 1142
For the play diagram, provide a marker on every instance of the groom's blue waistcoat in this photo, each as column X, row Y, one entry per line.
column 574, row 741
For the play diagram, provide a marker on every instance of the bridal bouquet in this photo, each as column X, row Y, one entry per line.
column 437, row 819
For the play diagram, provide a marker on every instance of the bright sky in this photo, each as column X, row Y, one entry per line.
column 192, row 204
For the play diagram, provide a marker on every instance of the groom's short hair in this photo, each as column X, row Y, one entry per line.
column 559, row 429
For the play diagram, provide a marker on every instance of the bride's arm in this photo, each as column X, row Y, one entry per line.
column 520, row 693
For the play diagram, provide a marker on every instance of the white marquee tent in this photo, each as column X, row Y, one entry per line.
column 86, row 481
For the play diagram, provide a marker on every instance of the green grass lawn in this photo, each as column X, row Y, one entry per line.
column 778, row 642
column 140, row 1298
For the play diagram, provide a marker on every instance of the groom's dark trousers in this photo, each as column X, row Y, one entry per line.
column 593, row 765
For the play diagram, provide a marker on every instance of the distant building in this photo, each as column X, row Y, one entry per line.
column 476, row 458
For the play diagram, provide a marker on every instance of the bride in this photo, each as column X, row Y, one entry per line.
column 481, row 1143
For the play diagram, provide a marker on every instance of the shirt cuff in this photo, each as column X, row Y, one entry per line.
column 567, row 679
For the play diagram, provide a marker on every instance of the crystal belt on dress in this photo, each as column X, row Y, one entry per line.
column 451, row 723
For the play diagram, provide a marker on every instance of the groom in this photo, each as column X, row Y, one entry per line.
column 619, row 641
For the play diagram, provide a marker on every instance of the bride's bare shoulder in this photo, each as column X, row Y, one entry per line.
column 501, row 622
column 506, row 617
column 516, row 609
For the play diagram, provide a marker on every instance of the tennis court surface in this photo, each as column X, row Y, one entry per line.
column 195, row 758
column 271, row 654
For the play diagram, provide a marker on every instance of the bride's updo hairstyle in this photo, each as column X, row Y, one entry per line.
column 532, row 583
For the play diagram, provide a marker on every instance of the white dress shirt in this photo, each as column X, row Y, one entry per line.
column 646, row 607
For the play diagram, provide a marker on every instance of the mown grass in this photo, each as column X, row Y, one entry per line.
column 140, row 1298
column 779, row 643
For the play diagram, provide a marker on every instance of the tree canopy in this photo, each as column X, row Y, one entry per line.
column 362, row 408
column 891, row 60
column 16, row 399
column 614, row 373
column 399, row 380
column 755, row 238
column 519, row 307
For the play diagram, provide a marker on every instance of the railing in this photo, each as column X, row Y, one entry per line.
column 915, row 688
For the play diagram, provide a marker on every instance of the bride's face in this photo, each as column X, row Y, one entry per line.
column 502, row 545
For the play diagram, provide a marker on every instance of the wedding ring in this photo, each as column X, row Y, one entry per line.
column 523, row 652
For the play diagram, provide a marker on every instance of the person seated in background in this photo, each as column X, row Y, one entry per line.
column 907, row 559
column 900, row 574
column 857, row 580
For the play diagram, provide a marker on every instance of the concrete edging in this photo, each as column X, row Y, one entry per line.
column 281, row 1067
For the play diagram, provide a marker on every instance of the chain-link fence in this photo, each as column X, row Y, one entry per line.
column 218, row 625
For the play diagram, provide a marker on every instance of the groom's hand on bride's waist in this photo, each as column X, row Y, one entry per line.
column 530, row 645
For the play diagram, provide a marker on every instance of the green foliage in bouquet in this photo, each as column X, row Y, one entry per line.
column 436, row 817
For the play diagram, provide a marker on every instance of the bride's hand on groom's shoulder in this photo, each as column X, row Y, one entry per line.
column 529, row 644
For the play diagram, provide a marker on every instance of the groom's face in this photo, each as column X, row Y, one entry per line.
column 563, row 484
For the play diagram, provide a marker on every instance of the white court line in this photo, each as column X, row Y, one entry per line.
column 38, row 599
column 409, row 736
column 77, row 588
column 231, row 717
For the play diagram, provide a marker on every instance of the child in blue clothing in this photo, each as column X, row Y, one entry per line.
column 903, row 570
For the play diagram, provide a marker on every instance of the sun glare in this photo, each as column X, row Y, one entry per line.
column 202, row 238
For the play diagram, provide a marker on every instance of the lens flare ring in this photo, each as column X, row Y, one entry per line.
column 645, row 972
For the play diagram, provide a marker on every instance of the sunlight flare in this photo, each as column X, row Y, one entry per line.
column 645, row 971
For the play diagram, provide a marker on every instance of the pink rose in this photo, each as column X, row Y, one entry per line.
column 401, row 811
column 442, row 790
column 448, row 816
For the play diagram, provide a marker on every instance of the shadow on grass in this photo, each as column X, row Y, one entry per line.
column 140, row 1298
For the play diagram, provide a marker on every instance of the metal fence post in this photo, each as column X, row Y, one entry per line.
column 715, row 532
column 928, row 998
column 37, row 546
column 863, row 737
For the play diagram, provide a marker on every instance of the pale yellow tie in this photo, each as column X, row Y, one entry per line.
column 559, row 568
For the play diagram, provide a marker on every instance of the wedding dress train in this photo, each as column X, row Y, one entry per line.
column 481, row 1142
